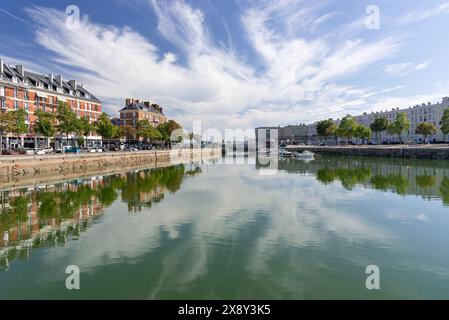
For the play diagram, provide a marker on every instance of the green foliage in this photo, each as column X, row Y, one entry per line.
column 444, row 190
column 45, row 124
column 362, row 132
column 347, row 127
column 445, row 121
column 21, row 127
column 166, row 129
column 8, row 121
column 146, row 130
column 378, row 126
column 426, row 129
column 399, row 126
column 106, row 128
column 326, row 128
column 425, row 181
column 67, row 120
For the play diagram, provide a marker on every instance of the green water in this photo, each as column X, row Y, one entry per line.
column 221, row 231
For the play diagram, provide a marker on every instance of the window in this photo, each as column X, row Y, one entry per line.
column 16, row 93
column 16, row 105
column 26, row 106
column 2, row 91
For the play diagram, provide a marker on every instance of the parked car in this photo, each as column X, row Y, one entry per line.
column 26, row 151
column 73, row 150
column 10, row 152
column 39, row 151
column 48, row 150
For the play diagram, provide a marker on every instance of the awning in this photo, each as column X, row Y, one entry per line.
column 41, row 95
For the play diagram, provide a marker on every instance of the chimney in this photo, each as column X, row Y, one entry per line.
column 73, row 84
column 20, row 70
column 147, row 104
column 137, row 101
column 161, row 110
column 59, row 80
column 51, row 77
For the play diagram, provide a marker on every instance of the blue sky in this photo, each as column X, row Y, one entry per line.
column 238, row 63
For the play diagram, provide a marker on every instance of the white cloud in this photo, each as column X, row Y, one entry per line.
column 292, row 79
column 405, row 68
column 420, row 15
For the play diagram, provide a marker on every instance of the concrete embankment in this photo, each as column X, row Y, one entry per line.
column 434, row 152
column 26, row 170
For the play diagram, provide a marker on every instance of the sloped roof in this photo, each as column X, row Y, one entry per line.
column 33, row 79
column 141, row 106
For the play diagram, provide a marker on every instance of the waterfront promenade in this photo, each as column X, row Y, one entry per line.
column 36, row 169
column 431, row 151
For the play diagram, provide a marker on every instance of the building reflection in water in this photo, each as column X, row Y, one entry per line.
column 53, row 214
column 428, row 179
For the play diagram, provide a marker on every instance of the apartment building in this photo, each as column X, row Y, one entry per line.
column 426, row 112
column 135, row 111
column 21, row 89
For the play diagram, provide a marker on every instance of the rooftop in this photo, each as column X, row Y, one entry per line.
column 50, row 83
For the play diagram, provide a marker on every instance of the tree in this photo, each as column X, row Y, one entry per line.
column 193, row 137
column 426, row 129
column 129, row 131
column 45, row 124
column 166, row 129
column 363, row 133
column 378, row 126
column 21, row 128
column 8, row 123
column 146, row 130
column 400, row 125
column 67, row 120
column 326, row 128
column 347, row 127
column 83, row 129
column 106, row 128
column 445, row 122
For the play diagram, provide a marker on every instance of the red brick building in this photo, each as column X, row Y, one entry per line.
column 20, row 89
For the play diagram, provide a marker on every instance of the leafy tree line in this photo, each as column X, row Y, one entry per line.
column 65, row 122
column 349, row 128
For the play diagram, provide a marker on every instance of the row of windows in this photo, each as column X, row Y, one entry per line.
column 24, row 94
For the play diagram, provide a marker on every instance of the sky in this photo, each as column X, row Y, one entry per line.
column 238, row 63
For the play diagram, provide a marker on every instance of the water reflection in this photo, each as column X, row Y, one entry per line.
column 429, row 179
column 231, row 232
column 39, row 216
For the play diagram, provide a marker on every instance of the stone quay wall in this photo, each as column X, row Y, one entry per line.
column 35, row 169
column 433, row 152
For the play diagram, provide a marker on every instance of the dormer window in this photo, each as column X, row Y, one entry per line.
column 86, row 95
column 14, row 79
column 40, row 85
column 59, row 90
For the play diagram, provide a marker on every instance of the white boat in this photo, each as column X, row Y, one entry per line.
column 306, row 154
column 285, row 154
